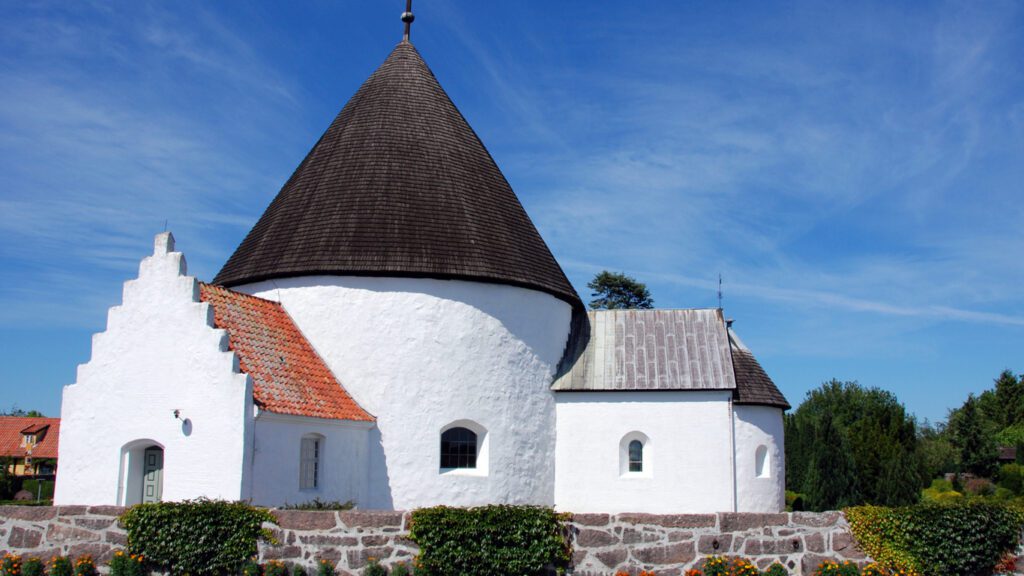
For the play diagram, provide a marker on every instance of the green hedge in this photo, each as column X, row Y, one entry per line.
column 42, row 488
column 196, row 537
column 489, row 540
column 956, row 538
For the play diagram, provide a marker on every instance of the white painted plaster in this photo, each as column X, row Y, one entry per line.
column 344, row 459
column 421, row 353
column 757, row 426
column 159, row 353
column 689, row 455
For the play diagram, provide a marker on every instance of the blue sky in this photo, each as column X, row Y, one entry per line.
column 854, row 172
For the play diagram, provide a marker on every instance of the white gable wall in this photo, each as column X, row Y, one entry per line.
column 421, row 354
column 687, row 459
column 760, row 488
column 160, row 353
column 343, row 465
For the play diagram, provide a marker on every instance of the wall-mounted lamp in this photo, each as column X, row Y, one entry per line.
column 177, row 414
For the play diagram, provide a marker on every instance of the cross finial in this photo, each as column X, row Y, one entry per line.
column 407, row 17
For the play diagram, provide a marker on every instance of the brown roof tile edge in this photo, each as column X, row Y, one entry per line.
column 334, row 402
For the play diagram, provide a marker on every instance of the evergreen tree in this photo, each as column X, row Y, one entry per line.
column 973, row 439
column 616, row 291
column 831, row 481
column 878, row 436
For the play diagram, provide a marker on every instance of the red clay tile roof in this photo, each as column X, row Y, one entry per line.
column 11, row 428
column 289, row 377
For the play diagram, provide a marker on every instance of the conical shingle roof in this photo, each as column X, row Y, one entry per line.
column 399, row 185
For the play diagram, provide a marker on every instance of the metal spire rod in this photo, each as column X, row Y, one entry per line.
column 407, row 17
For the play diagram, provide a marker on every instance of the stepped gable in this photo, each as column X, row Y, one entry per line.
column 399, row 185
column 288, row 376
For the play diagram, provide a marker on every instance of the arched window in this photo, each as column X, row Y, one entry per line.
column 636, row 456
column 310, row 451
column 458, row 448
column 761, row 462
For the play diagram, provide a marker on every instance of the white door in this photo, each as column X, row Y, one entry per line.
column 153, row 474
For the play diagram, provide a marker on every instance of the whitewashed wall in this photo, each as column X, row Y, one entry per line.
column 760, row 490
column 159, row 353
column 344, row 459
column 688, row 459
column 420, row 354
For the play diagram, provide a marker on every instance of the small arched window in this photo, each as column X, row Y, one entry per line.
column 761, row 467
column 310, row 451
column 458, row 448
column 636, row 456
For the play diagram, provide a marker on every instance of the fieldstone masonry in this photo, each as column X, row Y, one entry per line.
column 602, row 543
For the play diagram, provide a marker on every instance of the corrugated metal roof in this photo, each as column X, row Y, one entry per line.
column 649, row 350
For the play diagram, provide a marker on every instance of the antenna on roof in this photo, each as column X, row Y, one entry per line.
column 407, row 17
column 719, row 290
column 165, row 225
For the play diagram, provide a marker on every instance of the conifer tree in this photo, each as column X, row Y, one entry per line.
column 831, row 475
column 975, row 443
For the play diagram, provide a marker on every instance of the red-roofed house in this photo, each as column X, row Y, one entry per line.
column 31, row 443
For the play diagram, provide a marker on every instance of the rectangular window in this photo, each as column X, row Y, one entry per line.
column 309, row 465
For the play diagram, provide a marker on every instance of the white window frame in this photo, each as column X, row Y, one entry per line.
column 311, row 459
column 483, row 440
column 647, row 461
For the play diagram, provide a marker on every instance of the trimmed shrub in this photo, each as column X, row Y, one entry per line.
column 318, row 504
column 325, row 568
column 60, row 566
column 960, row 538
column 10, row 565
column 196, row 537
column 41, row 488
column 85, row 566
column 375, row 569
column 33, row 567
column 497, row 540
column 123, row 564
column 275, row 568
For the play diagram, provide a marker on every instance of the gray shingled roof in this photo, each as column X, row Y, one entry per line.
column 399, row 185
column 612, row 350
column 649, row 350
column 753, row 385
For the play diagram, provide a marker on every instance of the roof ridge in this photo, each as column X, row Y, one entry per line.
column 245, row 294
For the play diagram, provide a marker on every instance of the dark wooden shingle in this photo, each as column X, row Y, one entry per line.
column 399, row 185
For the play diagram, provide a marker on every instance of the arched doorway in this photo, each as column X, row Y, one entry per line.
column 142, row 473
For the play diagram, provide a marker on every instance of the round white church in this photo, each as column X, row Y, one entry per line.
column 394, row 331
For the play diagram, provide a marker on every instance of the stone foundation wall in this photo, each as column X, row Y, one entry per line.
column 602, row 543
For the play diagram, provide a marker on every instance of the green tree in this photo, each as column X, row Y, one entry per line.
column 938, row 455
column 877, row 436
column 972, row 436
column 831, row 480
column 15, row 411
column 616, row 291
